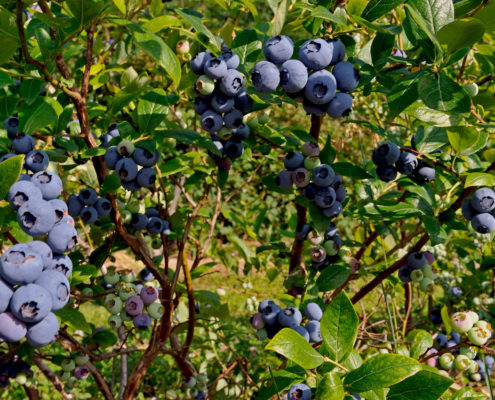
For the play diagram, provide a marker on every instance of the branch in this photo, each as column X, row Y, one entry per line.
column 192, row 308
column 57, row 383
column 31, row 393
column 89, row 60
column 123, row 365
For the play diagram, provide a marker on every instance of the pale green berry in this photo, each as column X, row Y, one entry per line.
column 469, row 351
column 474, row 316
column 205, row 85
column 114, row 321
column 446, row 360
column 87, row 291
column 262, row 334
column 479, row 336
column 476, row 301
column 82, row 359
column 129, row 278
column 125, row 317
column 65, row 376
column 21, row 379
column 127, row 292
column 472, row 89
column 113, row 304
column 68, row 365
column 473, row 367
column 133, row 207
column 221, row 291
column 483, row 325
column 315, row 238
column 224, row 133
column 202, row 378
column 190, row 383
column 311, row 162
column 112, row 277
column 462, row 363
column 416, row 275
column 126, row 216
column 155, row 310
column 425, row 283
column 461, row 322
column 476, row 377
column 428, row 272
column 125, row 148
column 253, row 123
column 71, row 381
column 331, row 247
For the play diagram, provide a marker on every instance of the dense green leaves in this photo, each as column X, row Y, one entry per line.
column 339, row 327
column 382, row 370
column 479, row 179
column 10, row 36
column 294, row 347
column 330, row 387
column 435, row 13
column 442, row 93
column 10, row 170
column 84, row 11
column 152, row 108
column 376, row 8
column 44, row 111
column 403, row 94
column 461, row 33
column 73, row 318
column 425, row 384
column 421, row 341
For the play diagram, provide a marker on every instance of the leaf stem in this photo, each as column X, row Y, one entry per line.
column 329, row 360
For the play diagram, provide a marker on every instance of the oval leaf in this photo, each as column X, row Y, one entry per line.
column 425, row 385
column 442, row 93
column 10, row 170
column 330, row 387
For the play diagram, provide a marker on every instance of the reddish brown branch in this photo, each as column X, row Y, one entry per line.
column 57, row 383
column 11, row 237
column 89, row 60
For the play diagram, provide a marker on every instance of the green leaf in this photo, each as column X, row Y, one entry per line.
column 381, row 48
column 403, row 94
column 479, row 179
column 430, row 138
column 328, row 153
column 74, row 318
column 105, row 338
column 194, row 18
column 189, row 137
column 152, row 108
column 424, row 32
column 279, row 18
column 84, row 11
column 330, row 387
column 468, row 393
column 294, row 347
column 435, row 231
column 5, row 79
column 441, row 93
column 30, row 90
column 10, row 170
column 432, row 117
column 156, row 48
column 157, row 24
column 390, row 210
column 110, row 184
column 435, row 13
column 462, row 138
column 461, row 33
column 324, row 13
column 382, row 370
column 377, row 8
column 332, row 277
column 444, row 312
column 120, row 4
column 421, row 341
column 424, row 385
column 351, row 170
column 487, row 17
column 339, row 327
column 44, row 111
column 10, row 36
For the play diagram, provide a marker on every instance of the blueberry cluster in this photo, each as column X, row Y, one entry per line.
column 318, row 182
column 480, row 210
column 88, row 206
column 222, row 103
column 74, row 369
column 390, row 160
column 34, row 276
column 418, row 269
column 196, row 386
column 135, row 301
column 308, row 78
column 271, row 318
column 150, row 221
column 14, row 368
column 326, row 247
column 467, row 327
column 134, row 165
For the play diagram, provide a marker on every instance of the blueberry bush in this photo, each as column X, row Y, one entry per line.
column 246, row 199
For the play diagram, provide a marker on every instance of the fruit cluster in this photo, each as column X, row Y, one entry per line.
column 418, row 269
column 326, row 247
column 271, row 318
column 34, row 276
column 308, row 78
column 222, row 102
column 196, row 387
column 73, row 370
column 126, row 158
column 390, row 160
column 150, row 221
column 24, row 144
column 480, row 210
column 318, row 182
column 136, row 302
column 14, row 368
column 88, row 206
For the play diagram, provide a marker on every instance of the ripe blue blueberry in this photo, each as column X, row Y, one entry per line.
column 37, row 160
column 313, row 311
column 43, row 250
column 152, row 212
column 289, row 317
column 416, row 260
column 407, row 163
column 347, row 76
column 293, row 160
column 43, row 333
column 211, row 121
column 145, row 158
column 49, row 183
column 302, row 331
column 81, row 372
column 231, row 59
column 405, row 273
column 142, row 321
column 299, row 391
column 126, row 169
column 483, row 200
column 215, row 68
column 233, row 149
column 20, row 264
column 201, row 105
column 331, row 231
column 293, row 76
column 57, row 285
column 456, row 291
column 316, row 54
column 24, row 177
column 284, row 180
column 134, row 306
column 148, row 294
column 301, row 177
column 483, row 223
column 23, row 191
column 233, row 119
column 166, row 228
column 23, row 144
column 74, row 205
column 36, row 217
column 270, row 314
column 221, row 103
column 321, row 87
column 323, row 175
column 146, row 275
column 386, row 154
column 111, row 157
column 6, row 293
column 60, row 209
column 265, row 77
column 11, row 328
column 62, row 264
column 132, row 186
column 62, row 238
column 146, row 177
column 278, row 49
column 340, row 105
column 265, row 303
column 199, row 61
column 313, row 328
column 243, row 102
column 232, row 83
column 340, row 193
column 103, row 206
column 338, row 51
column 11, row 124
column 241, row 133
column 89, row 215
column 88, row 196
column 386, row 174
column 139, row 221
column 314, row 109
column 441, row 340
column 154, row 225
column 423, row 174
column 467, row 210
column 31, row 303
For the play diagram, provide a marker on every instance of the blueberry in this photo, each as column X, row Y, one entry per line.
column 278, row 49
column 144, row 158
column 146, row 275
column 11, row 124
column 201, row 105
column 331, row 232
column 152, row 212
column 334, row 210
column 60, row 208
column 221, row 103
column 24, row 177
column 81, row 372
column 31, row 303
column 233, row 119
column 289, row 317
column 232, row 83
column 386, row 174
column 313, row 311
column 111, row 157
column 215, row 68
column 43, row 333
column 146, row 177
column 318, row 254
column 293, row 160
column 139, row 221
column 313, row 327
column 321, row 87
column 103, row 206
column 5, row 294
column 347, row 76
column 316, row 54
column 270, row 314
column 132, row 186
column 231, row 59
column 166, row 228
column 386, row 154
column 62, row 238
column 338, row 51
column 405, row 274
column 11, row 329
column 37, row 160
column 105, row 141
column 21, row 264
column 467, row 210
column 134, row 306
column 293, row 76
column 36, row 217
column 423, row 174
column 456, row 291
column 211, row 121
column 148, row 294
column 265, row 303
column 314, row 109
column 416, row 260
column 323, row 175
column 89, row 215
column 23, row 191
column 302, row 331
column 49, row 183
column 441, row 340
column 456, row 338
column 340, row 105
column 198, row 62
column 154, row 226
column 483, row 200
column 126, row 169
column 265, row 77
column 299, row 391
column 6, row 157
column 241, row 133
column 301, row 177
column 284, row 180
column 407, row 163
column 142, row 321
column 23, row 144
column 43, row 250
column 233, row 149
column 483, row 223
column 62, row 264
column 88, row 196
column 340, row 193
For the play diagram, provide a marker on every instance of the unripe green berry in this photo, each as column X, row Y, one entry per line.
column 82, row 359
column 21, row 379
column 472, row 89
column 190, row 383
column 205, row 85
column 473, row 367
column 125, row 148
column 126, row 216
column 133, row 207
column 469, row 351
column 202, row 378
column 224, row 133
column 462, row 363
column 156, row 243
column 446, row 360
column 112, row 277
column 183, row 47
column 127, row 291
column 474, row 316
column 124, row 316
column 71, row 381
column 129, row 278
column 114, row 321
column 331, row 247
column 253, row 123
column 264, row 118
column 68, row 365
column 483, row 324
column 416, row 275
column 114, row 305
column 425, row 283
column 87, row 291
column 478, row 336
column 311, row 162
column 262, row 334
column 155, row 310
column 428, row 272
column 461, row 322
column 65, row 376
